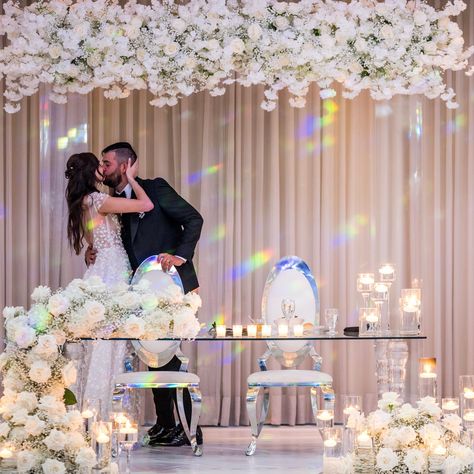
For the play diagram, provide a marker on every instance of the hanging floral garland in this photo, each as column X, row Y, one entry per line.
column 389, row 48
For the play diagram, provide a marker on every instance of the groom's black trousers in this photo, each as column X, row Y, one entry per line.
column 165, row 397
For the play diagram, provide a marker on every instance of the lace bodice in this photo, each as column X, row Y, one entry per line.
column 103, row 231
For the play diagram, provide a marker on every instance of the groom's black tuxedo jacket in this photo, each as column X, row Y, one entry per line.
column 173, row 226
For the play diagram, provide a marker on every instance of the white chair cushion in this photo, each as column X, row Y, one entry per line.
column 285, row 378
column 159, row 378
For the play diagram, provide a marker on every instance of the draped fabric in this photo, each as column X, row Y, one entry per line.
column 345, row 185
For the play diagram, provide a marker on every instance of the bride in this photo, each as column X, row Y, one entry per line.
column 94, row 219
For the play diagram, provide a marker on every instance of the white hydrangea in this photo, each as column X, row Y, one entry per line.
column 41, row 294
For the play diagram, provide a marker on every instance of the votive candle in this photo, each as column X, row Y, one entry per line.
column 298, row 330
column 283, row 330
column 220, row 330
column 237, row 330
column 252, row 330
column 266, row 330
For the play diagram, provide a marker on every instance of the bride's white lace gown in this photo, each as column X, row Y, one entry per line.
column 104, row 359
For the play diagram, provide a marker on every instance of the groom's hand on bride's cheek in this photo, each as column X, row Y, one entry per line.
column 90, row 256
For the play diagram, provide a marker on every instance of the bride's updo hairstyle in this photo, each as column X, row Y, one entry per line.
column 81, row 175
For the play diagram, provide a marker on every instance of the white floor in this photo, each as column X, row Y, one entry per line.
column 295, row 449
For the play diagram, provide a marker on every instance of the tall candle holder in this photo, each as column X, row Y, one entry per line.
column 8, row 458
column 364, row 456
column 101, row 442
column 90, row 413
column 332, row 443
column 409, row 317
column 387, row 275
column 427, row 377
column 350, row 404
column 119, row 419
column 379, row 297
column 436, row 458
column 365, row 285
column 369, row 322
column 466, row 395
column 128, row 436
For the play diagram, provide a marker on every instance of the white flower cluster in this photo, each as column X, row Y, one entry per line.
column 35, row 373
column 174, row 50
column 406, row 437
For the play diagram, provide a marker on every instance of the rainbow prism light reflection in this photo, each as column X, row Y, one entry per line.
column 257, row 260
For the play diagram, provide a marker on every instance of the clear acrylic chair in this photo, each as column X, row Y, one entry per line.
column 290, row 279
column 157, row 354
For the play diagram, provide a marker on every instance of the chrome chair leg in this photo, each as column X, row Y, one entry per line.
column 328, row 396
column 256, row 425
column 181, row 412
column 314, row 403
column 196, row 399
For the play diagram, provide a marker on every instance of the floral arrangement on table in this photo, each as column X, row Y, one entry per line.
column 409, row 439
column 37, row 431
column 175, row 50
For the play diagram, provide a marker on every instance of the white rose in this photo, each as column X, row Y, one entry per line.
column 46, row 346
column 419, row 18
column 386, row 460
column 95, row 284
column 18, row 434
column 86, row 458
column 430, row 433
column 75, row 441
column 4, row 429
column 27, row 460
column 193, row 300
column 25, row 336
column 134, row 327
column 378, row 420
column 27, row 400
column 415, row 460
column 52, row 406
column 11, row 311
column 389, row 401
column 95, row 311
column 282, row 23
column 280, row 7
column 149, row 301
column 254, row 31
column 429, row 407
column 40, row 372
column 55, row 51
column 73, row 419
column 34, row 426
column 171, row 49
column 179, row 25
column 41, row 294
column 39, row 317
column 453, row 423
column 69, row 373
column 55, row 441
column 129, row 300
column 59, row 335
column 237, row 46
column 52, row 466
column 58, row 305
column 407, row 412
column 19, row 416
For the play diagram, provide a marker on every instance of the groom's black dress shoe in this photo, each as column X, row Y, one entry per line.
column 176, row 437
column 158, row 431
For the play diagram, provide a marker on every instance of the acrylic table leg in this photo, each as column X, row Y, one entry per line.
column 382, row 366
column 397, row 359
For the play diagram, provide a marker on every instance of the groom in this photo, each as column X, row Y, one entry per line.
column 171, row 230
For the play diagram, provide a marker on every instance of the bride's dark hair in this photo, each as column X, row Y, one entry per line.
column 82, row 180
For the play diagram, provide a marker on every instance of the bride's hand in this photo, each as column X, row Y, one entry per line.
column 132, row 170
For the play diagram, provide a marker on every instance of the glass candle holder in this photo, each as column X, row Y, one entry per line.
column 409, row 318
column 363, row 441
column 101, row 442
column 379, row 296
column 427, row 377
column 330, row 318
column 369, row 322
column 351, row 404
column 267, row 330
column 237, row 330
column 466, row 393
column 450, row 406
column 220, row 330
column 324, row 419
column 468, row 419
column 8, row 458
column 90, row 413
column 436, row 458
column 387, row 272
column 119, row 419
column 365, row 285
column 411, row 297
column 283, row 330
column 288, row 308
column 252, row 330
column 298, row 330
column 128, row 436
column 332, row 442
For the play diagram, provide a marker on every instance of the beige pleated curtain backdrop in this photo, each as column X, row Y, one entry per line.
column 346, row 185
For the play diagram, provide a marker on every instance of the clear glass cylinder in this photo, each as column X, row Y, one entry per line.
column 387, row 272
column 409, row 318
column 369, row 322
column 466, row 397
column 324, row 419
column 101, row 442
column 350, row 404
column 450, row 406
column 411, row 296
column 427, row 377
column 332, row 441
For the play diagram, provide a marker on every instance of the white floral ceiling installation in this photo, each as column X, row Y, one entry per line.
column 388, row 48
